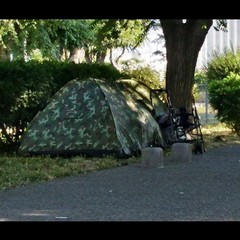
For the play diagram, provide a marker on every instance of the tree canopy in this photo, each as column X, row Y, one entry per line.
column 64, row 39
column 61, row 39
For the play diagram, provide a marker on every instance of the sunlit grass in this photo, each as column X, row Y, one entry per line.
column 216, row 135
column 19, row 171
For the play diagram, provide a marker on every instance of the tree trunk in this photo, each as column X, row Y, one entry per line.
column 183, row 43
column 4, row 55
column 115, row 62
column 74, row 55
column 61, row 53
column 87, row 55
column 101, row 57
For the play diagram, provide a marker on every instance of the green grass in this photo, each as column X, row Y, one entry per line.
column 19, row 171
column 217, row 135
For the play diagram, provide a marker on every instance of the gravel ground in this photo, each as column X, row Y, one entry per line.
column 205, row 189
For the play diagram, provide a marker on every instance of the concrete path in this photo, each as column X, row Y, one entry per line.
column 205, row 189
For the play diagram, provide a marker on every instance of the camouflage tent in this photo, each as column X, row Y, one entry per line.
column 155, row 101
column 142, row 93
column 91, row 117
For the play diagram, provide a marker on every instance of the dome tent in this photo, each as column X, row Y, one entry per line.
column 90, row 117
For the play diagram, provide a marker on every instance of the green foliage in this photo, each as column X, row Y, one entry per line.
column 222, row 64
column 26, row 88
column 20, row 171
column 54, row 36
column 144, row 74
column 200, row 77
column 110, row 34
column 21, row 37
column 113, row 33
column 222, row 71
column 58, row 39
column 200, row 84
column 224, row 96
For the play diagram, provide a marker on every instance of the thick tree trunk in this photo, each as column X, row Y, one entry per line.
column 74, row 55
column 183, row 43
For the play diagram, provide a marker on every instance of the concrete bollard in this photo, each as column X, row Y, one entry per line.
column 181, row 152
column 152, row 157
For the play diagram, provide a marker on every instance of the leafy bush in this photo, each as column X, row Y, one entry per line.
column 221, row 64
column 26, row 88
column 144, row 74
column 224, row 96
column 200, row 84
column 200, row 77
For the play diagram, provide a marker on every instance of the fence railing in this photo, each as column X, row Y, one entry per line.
column 205, row 111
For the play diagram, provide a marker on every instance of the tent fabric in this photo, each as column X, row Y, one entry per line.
column 91, row 117
column 142, row 92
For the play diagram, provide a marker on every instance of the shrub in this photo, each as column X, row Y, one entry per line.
column 224, row 96
column 26, row 88
column 144, row 74
column 221, row 64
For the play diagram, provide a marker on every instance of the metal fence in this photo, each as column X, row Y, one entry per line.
column 204, row 109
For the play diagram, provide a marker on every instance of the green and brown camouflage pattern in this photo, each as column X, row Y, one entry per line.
column 90, row 116
column 141, row 92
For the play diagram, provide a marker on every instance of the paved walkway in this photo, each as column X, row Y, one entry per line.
column 205, row 189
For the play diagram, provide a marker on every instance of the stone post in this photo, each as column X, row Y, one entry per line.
column 181, row 152
column 152, row 157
